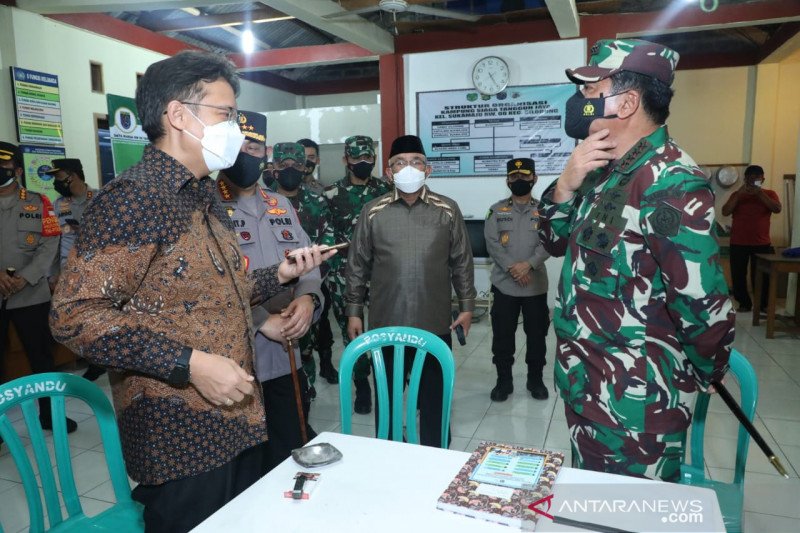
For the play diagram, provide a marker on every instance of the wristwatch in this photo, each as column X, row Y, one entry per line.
column 180, row 374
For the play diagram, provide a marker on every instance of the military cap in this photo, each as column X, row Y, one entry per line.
column 10, row 152
column 67, row 165
column 253, row 126
column 523, row 165
column 407, row 144
column 358, row 145
column 609, row 56
column 283, row 151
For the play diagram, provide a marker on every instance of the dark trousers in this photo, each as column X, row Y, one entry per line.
column 34, row 334
column 283, row 422
column 180, row 505
column 741, row 255
column 324, row 333
column 535, row 321
column 430, row 394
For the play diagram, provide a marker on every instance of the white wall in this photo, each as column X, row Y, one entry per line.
column 256, row 97
column 7, row 54
column 529, row 64
column 721, row 132
column 38, row 43
column 329, row 127
column 343, row 99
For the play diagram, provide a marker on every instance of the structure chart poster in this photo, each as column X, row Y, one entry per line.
column 468, row 134
column 38, row 107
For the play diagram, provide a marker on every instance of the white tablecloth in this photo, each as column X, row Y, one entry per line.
column 388, row 486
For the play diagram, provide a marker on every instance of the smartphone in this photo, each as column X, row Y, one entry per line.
column 462, row 339
column 322, row 249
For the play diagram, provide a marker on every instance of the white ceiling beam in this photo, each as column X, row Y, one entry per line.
column 565, row 16
column 51, row 7
column 354, row 29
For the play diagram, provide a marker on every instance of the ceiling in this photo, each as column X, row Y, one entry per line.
column 303, row 47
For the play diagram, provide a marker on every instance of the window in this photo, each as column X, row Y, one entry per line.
column 96, row 70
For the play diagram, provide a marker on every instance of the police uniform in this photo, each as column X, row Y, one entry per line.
column 643, row 318
column 314, row 215
column 511, row 233
column 267, row 228
column 29, row 236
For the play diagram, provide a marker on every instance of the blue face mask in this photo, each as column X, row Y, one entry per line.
column 581, row 112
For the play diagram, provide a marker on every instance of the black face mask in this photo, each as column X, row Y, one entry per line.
column 7, row 175
column 310, row 166
column 290, row 178
column 520, row 187
column 362, row 170
column 581, row 112
column 269, row 179
column 62, row 187
column 245, row 170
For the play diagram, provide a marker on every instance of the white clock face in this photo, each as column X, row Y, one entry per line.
column 490, row 75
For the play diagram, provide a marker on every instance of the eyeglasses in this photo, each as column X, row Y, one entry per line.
column 417, row 163
column 232, row 114
column 285, row 164
column 515, row 176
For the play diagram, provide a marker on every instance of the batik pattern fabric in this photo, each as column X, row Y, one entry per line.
column 156, row 268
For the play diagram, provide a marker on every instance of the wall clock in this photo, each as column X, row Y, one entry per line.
column 490, row 75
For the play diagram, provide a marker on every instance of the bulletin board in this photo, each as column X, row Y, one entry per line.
column 468, row 134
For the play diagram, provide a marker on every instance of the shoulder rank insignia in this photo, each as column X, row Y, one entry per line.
column 23, row 193
column 666, row 220
column 224, row 191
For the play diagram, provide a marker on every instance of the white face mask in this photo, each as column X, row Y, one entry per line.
column 409, row 180
column 221, row 143
column 758, row 183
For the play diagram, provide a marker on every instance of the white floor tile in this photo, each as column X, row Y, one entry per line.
column 766, row 523
column 765, row 493
column 772, row 504
column 515, row 429
column 784, row 431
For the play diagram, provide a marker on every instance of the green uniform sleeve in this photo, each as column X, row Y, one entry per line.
column 678, row 227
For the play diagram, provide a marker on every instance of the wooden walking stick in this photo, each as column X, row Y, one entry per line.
column 297, row 394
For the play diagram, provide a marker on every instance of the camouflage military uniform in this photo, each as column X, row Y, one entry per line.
column 643, row 317
column 345, row 201
column 312, row 210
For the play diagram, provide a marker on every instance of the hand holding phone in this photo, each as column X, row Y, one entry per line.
column 322, row 249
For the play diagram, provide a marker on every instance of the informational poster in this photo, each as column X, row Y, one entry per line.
column 38, row 160
column 37, row 106
column 468, row 134
column 127, row 137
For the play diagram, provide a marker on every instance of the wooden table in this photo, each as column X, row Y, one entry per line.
column 772, row 265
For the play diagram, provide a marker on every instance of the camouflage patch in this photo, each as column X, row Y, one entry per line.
column 666, row 220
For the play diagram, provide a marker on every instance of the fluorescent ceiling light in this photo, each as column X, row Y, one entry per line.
column 248, row 42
